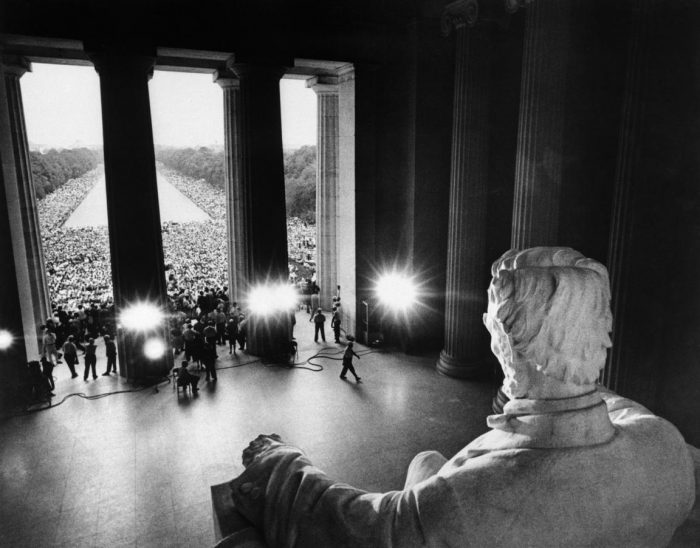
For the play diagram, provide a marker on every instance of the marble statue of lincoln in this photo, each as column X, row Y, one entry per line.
column 568, row 463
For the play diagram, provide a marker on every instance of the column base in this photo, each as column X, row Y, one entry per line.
column 462, row 369
column 132, row 362
column 269, row 337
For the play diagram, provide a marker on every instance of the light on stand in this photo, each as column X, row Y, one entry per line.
column 267, row 299
column 141, row 317
column 396, row 291
column 396, row 294
column 5, row 339
column 154, row 349
column 269, row 330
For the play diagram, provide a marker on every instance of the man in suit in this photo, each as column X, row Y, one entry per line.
column 111, row 352
column 319, row 321
column 347, row 360
column 335, row 324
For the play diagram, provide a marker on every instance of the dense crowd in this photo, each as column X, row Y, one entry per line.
column 301, row 248
column 77, row 259
column 78, row 263
column 55, row 209
column 206, row 196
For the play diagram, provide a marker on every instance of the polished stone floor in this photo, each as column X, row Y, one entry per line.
column 134, row 469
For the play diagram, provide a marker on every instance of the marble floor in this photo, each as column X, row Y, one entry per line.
column 134, row 469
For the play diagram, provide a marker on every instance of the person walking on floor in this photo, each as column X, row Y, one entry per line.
column 70, row 354
column 90, row 359
column 111, row 351
column 347, row 362
column 209, row 360
column 319, row 322
column 47, row 370
column 220, row 325
column 209, row 333
column 335, row 324
column 242, row 331
column 315, row 297
column 232, row 334
column 48, row 347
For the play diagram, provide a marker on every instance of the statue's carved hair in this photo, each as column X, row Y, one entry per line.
column 554, row 304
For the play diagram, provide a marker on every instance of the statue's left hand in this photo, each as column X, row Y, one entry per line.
column 260, row 445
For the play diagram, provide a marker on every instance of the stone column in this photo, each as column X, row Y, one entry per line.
column 13, row 359
column 349, row 216
column 135, row 240
column 326, row 88
column 628, row 171
column 237, row 199
column 466, row 351
column 262, row 184
column 538, row 172
column 23, row 215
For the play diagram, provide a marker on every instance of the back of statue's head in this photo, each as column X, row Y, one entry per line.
column 554, row 305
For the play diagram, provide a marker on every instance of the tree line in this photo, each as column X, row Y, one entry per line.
column 53, row 169
column 208, row 164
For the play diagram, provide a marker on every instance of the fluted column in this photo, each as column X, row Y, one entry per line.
column 237, row 200
column 349, row 192
column 627, row 172
column 538, row 174
column 262, row 169
column 23, row 215
column 135, row 239
column 465, row 351
column 262, row 184
column 326, row 88
column 14, row 358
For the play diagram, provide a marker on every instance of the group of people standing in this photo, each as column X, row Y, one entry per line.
column 213, row 321
column 217, row 322
column 318, row 318
column 65, row 334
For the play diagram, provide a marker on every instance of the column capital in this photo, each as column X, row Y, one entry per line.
column 244, row 70
column 468, row 13
column 16, row 65
column 323, row 85
column 226, row 79
column 114, row 59
column 346, row 73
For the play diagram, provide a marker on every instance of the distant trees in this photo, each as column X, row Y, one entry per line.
column 53, row 169
column 300, row 183
column 198, row 163
column 299, row 173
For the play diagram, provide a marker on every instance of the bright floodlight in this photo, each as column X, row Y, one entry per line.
column 266, row 299
column 154, row 349
column 286, row 297
column 396, row 291
column 5, row 339
column 141, row 317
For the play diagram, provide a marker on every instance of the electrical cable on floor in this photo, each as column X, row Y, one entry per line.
column 41, row 406
column 314, row 367
column 237, row 365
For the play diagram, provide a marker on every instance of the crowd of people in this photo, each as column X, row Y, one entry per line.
column 201, row 313
column 77, row 258
column 301, row 249
column 206, row 196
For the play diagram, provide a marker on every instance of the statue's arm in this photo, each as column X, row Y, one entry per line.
column 291, row 502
